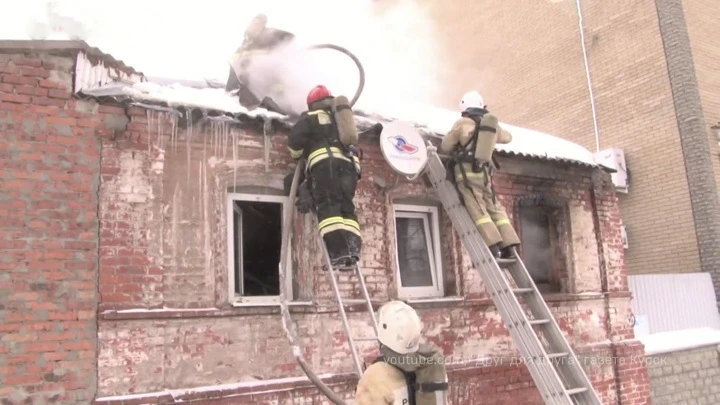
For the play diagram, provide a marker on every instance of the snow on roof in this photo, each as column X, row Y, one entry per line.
column 435, row 121
column 678, row 340
column 525, row 142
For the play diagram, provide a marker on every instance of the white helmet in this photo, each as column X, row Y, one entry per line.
column 399, row 327
column 472, row 99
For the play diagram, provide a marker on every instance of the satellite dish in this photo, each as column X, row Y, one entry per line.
column 403, row 148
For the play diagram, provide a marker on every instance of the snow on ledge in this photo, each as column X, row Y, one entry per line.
column 156, row 310
column 177, row 393
column 679, row 340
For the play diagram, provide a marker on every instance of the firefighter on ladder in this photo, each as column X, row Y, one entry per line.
column 259, row 40
column 471, row 141
column 407, row 372
column 326, row 136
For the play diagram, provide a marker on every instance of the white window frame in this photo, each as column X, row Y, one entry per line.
column 234, row 298
column 430, row 216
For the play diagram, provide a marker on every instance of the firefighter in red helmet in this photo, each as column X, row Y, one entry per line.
column 326, row 136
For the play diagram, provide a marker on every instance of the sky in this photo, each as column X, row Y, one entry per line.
column 194, row 40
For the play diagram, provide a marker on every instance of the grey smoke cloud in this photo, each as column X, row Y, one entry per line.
column 395, row 42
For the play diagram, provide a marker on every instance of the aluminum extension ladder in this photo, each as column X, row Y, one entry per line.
column 557, row 373
column 342, row 303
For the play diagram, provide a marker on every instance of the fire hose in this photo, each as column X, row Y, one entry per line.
column 285, row 249
column 361, row 71
column 338, row 48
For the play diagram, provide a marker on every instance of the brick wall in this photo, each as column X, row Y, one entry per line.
column 49, row 163
column 688, row 376
column 703, row 30
column 526, row 58
column 165, row 318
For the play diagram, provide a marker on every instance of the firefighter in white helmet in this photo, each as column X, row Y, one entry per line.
column 407, row 372
column 471, row 141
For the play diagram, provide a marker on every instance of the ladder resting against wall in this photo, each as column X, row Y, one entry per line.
column 286, row 318
column 554, row 367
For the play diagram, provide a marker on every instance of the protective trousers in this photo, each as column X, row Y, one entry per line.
column 333, row 185
column 489, row 215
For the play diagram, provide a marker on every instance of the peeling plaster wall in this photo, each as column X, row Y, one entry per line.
column 163, row 245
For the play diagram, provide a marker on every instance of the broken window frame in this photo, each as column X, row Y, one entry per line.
column 431, row 221
column 233, row 297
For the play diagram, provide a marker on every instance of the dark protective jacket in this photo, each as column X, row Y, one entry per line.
column 315, row 136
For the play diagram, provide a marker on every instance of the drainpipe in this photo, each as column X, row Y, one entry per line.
column 587, row 75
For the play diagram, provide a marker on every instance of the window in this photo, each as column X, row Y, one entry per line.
column 419, row 263
column 254, row 242
column 539, row 242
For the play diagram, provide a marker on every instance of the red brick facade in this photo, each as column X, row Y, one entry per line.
column 117, row 283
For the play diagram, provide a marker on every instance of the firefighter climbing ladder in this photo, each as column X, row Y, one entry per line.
column 556, row 370
column 287, row 320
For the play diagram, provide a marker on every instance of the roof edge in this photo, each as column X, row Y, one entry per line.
column 50, row 46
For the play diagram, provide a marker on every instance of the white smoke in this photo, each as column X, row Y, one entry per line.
column 394, row 42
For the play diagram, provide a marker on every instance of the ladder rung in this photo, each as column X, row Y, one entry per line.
column 556, row 355
column 353, row 302
column 505, row 262
column 539, row 321
column 575, row 391
column 522, row 290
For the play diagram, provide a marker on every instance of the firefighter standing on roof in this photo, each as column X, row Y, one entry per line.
column 472, row 142
column 259, row 40
column 326, row 136
column 408, row 372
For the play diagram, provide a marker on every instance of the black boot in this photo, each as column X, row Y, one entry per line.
column 495, row 250
column 345, row 263
column 508, row 252
column 354, row 243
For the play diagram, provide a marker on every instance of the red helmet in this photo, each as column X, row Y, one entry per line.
column 318, row 93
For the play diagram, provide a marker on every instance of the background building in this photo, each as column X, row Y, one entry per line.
column 656, row 94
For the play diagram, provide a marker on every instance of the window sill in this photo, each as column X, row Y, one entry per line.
column 435, row 302
column 271, row 304
column 432, row 300
column 235, row 309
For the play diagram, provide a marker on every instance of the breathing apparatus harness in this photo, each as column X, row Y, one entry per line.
column 412, row 384
column 466, row 153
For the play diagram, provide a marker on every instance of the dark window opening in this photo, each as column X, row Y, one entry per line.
column 539, row 240
column 258, row 237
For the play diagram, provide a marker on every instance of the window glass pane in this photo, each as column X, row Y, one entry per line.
column 413, row 255
column 536, row 246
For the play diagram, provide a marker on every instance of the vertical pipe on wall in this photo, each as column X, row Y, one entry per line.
column 587, row 75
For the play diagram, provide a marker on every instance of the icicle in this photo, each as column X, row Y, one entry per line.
column 225, row 134
column 188, row 140
column 267, row 126
column 148, row 126
column 235, row 158
column 174, row 134
column 161, row 131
